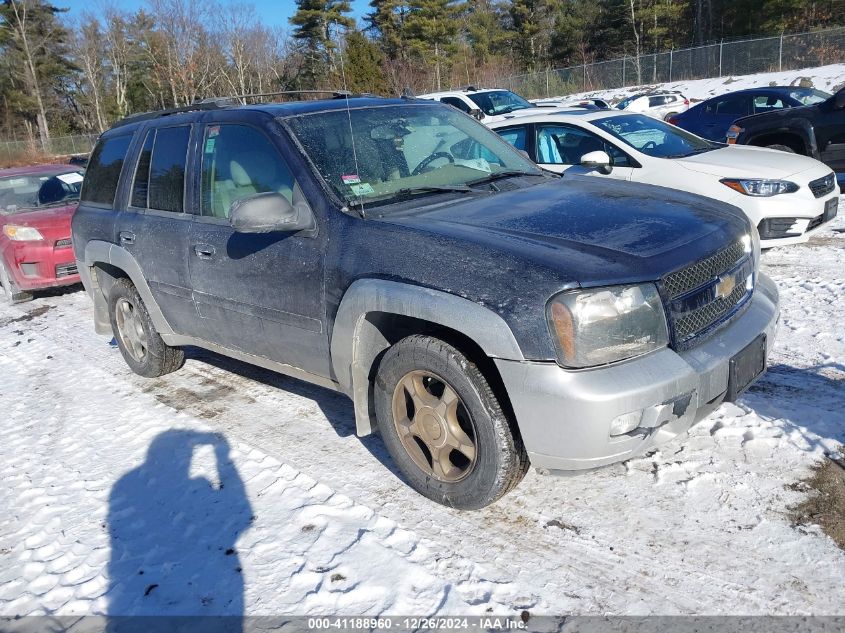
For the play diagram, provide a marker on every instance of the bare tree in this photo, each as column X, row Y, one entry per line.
column 90, row 49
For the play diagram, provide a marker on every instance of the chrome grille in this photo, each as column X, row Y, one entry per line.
column 692, row 277
column 823, row 186
column 699, row 320
column 65, row 270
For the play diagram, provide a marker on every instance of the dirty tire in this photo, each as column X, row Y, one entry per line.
column 500, row 460
column 158, row 357
column 781, row 148
column 11, row 292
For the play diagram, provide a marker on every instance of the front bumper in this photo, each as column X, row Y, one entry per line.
column 38, row 265
column 564, row 416
column 794, row 217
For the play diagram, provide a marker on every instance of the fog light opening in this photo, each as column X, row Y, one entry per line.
column 625, row 423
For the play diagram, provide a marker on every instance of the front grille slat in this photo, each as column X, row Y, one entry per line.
column 823, row 186
column 692, row 277
column 693, row 304
column 65, row 270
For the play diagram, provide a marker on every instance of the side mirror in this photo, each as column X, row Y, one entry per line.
column 476, row 113
column 524, row 154
column 839, row 100
column 268, row 212
column 599, row 161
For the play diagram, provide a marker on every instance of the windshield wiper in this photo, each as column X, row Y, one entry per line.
column 508, row 173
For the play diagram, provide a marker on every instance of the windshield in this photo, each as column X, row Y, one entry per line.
column 35, row 191
column 653, row 137
column 809, row 96
column 499, row 102
column 374, row 156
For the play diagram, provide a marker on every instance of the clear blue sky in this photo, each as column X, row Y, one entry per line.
column 271, row 12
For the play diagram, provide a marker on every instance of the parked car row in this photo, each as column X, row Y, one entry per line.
column 482, row 312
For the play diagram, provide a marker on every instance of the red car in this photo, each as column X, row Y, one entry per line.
column 36, row 205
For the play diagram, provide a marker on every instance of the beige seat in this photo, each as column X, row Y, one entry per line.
column 250, row 173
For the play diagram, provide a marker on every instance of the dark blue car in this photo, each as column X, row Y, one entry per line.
column 712, row 118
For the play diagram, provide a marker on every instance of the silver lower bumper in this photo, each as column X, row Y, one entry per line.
column 565, row 416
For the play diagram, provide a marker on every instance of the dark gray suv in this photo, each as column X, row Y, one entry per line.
column 480, row 313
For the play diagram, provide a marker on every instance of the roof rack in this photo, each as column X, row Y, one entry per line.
column 216, row 103
column 193, row 107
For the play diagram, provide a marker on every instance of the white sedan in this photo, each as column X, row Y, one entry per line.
column 785, row 195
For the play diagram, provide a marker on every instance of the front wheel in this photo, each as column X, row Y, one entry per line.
column 140, row 343
column 444, row 427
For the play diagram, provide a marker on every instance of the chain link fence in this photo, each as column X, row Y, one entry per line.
column 740, row 57
column 12, row 151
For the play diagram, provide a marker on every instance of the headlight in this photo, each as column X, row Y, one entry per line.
column 22, row 233
column 760, row 188
column 599, row 326
column 751, row 242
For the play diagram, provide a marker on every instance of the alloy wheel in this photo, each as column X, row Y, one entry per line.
column 434, row 426
column 130, row 328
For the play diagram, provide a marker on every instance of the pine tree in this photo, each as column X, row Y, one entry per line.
column 316, row 23
column 33, row 43
column 432, row 28
column 362, row 65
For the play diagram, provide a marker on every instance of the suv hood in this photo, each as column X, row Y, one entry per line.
column 588, row 230
column 745, row 161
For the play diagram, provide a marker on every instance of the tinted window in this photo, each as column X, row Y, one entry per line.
column 458, row 103
column 103, row 171
column 735, row 106
column 654, row 102
column 516, row 136
column 142, row 173
column 166, row 190
column 238, row 161
column 499, row 102
column 565, row 145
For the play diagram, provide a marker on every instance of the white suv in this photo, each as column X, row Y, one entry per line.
column 661, row 105
column 486, row 104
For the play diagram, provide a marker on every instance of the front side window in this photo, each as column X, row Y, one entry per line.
column 239, row 161
column 374, row 156
column 566, row 144
column 653, row 137
column 40, row 190
column 104, row 169
column 764, row 103
column 499, row 102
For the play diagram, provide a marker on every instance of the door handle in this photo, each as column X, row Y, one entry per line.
column 126, row 237
column 204, row 251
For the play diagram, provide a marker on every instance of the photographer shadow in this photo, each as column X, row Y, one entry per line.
column 173, row 539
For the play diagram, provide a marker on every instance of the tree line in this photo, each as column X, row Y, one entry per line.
column 63, row 76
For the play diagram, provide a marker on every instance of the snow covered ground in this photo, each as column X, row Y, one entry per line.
column 828, row 78
column 225, row 489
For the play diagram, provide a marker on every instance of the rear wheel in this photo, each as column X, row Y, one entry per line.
column 670, row 115
column 11, row 292
column 444, row 427
column 141, row 345
column 781, row 148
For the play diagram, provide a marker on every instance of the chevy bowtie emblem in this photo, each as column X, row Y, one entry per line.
column 725, row 287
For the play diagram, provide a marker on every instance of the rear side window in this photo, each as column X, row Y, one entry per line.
column 457, row 103
column 735, row 106
column 516, row 136
column 167, row 169
column 104, row 169
column 160, row 175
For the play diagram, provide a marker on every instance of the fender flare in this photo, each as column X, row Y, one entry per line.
column 98, row 251
column 356, row 342
column 797, row 127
